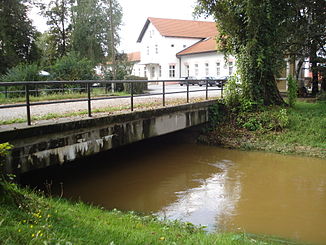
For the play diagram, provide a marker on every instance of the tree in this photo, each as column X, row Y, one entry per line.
column 255, row 32
column 92, row 28
column 307, row 37
column 17, row 35
column 58, row 14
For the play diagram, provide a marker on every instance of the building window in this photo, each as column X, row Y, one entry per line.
column 206, row 69
column 147, row 50
column 196, row 70
column 230, row 68
column 184, row 46
column 187, row 70
column 151, row 33
column 152, row 71
column 138, row 71
column 156, row 49
column 172, row 71
column 145, row 72
column 160, row 71
column 218, row 68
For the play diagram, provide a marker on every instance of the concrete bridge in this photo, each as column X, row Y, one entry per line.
column 39, row 146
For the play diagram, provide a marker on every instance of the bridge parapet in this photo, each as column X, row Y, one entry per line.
column 40, row 146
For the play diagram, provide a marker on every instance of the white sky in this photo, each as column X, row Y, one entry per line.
column 135, row 13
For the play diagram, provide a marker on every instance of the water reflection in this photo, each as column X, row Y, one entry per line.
column 218, row 188
column 211, row 204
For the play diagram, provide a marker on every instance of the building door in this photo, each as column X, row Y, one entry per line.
column 152, row 72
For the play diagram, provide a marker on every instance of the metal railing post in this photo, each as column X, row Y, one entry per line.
column 163, row 93
column 89, row 99
column 207, row 90
column 187, row 91
column 222, row 89
column 28, row 105
column 131, row 96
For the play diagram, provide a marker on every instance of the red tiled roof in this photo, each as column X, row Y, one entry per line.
column 181, row 28
column 133, row 57
column 203, row 46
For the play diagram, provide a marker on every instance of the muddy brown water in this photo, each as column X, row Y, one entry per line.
column 225, row 190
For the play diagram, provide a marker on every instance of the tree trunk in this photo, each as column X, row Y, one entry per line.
column 272, row 95
column 313, row 61
column 323, row 84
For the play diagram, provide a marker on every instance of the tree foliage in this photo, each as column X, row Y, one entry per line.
column 307, row 37
column 92, row 27
column 17, row 35
column 58, row 15
column 255, row 32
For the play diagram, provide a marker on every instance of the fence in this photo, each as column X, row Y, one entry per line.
column 88, row 87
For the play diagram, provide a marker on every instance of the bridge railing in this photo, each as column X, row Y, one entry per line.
column 88, row 85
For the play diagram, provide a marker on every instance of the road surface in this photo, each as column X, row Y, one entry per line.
column 42, row 110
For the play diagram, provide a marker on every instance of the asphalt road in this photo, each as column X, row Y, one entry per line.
column 176, row 89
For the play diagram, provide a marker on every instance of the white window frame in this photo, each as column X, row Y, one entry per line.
column 196, row 70
column 207, row 69
column 230, row 68
column 218, row 68
column 172, row 71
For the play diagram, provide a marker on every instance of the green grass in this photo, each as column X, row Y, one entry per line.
column 306, row 130
column 30, row 218
column 96, row 92
column 297, row 130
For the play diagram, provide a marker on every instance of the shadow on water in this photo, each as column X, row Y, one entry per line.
column 223, row 189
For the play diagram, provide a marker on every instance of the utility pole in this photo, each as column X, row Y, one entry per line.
column 112, row 47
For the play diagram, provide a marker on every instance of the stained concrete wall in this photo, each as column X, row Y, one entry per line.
column 40, row 146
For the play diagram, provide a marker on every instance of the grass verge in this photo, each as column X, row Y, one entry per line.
column 30, row 218
column 110, row 110
column 60, row 96
column 297, row 130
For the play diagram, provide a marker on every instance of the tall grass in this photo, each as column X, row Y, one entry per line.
column 41, row 220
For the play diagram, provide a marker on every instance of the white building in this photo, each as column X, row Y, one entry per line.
column 171, row 49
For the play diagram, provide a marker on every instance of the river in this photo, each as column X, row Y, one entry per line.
column 222, row 189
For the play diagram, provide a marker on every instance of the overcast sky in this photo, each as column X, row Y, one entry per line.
column 135, row 13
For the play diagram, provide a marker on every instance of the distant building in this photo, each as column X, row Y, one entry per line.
column 171, row 49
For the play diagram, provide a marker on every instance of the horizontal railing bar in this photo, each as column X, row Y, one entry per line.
column 100, row 98
column 21, row 83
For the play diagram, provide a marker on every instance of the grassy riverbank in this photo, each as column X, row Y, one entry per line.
column 298, row 130
column 29, row 218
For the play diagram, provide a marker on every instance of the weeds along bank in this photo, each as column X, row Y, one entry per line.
column 30, row 218
column 300, row 129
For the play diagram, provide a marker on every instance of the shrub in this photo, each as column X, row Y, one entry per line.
column 292, row 90
column 321, row 96
column 138, row 88
column 267, row 120
column 71, row 67
column 22, row 72
column 233, row 93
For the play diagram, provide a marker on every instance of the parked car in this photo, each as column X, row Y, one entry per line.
column 211, row 81
column 184, row 81
column 221, row 81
